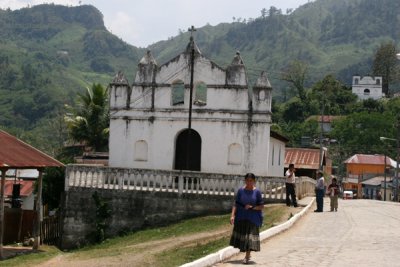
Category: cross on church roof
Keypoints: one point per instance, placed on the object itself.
(192, 29)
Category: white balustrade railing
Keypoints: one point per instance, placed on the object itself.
(176, 181)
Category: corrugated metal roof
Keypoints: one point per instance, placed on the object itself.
(369, 159)
(302, 158)
(25, 190)
(375, 181)
(325, 118)
(14, 153)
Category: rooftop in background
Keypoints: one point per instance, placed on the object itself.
(278, 136)
(374, 181)
(303, 158)
(15, 153)
(370, 159)
(325, 118)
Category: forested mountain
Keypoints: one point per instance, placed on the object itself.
(333, 36)
(48, 53)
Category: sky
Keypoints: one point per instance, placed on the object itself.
(144, 22)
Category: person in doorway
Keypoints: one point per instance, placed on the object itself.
(333, 191)
(320, 191)
(247, 218)
(291, 186)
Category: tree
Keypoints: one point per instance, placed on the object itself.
(336, 97)
(385, 65)
(296, 74)
(360, 132)
(89, 122)
(263, 12)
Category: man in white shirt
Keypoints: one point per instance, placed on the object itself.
(290, 186)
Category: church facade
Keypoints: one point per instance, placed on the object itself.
(226, 129)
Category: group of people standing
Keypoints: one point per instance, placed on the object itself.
(247, 218)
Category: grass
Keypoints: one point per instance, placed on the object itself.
(45, 253)
(179, 256)
(124, 245)
(119, 245)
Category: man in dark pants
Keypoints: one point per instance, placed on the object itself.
(290, 186)
(320, 192)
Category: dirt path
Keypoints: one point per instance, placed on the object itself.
(144, 254)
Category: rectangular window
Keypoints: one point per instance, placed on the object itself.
(178, 93)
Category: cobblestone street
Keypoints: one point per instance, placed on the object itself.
(361, 233)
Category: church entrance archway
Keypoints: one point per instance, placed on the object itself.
(188, 145)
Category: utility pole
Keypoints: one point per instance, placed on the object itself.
(396, 173)
(192, 30)
(384, 191)
(321, 135)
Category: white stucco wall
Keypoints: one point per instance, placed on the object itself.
(276, 157)
(217, 135)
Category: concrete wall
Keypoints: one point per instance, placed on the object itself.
(132, 210)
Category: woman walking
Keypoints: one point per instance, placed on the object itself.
(247, 218)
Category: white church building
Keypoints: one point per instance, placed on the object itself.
(367, 87)
(230, 122)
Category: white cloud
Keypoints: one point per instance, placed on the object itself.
(142, 22)
(12, 4)
(17, 4)
(125, 26)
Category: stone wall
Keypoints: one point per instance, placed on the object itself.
(132, 210)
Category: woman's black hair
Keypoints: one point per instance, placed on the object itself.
(250, 175)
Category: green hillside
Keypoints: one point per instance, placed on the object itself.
(333, 36)
(49, 53)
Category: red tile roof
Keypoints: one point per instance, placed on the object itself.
(302, 158)
(26, 187)
(369, 159)
(14, 153)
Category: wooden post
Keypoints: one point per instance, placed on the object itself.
(38, 211)
(3, 182)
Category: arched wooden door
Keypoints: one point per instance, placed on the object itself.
(188, 151)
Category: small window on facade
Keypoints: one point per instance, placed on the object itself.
(141, 150)
(378, 81)
(273, 154)
(366, 92)
(356, 81)
(279, 158)
(200, 97)
(235, 154)
(177, 93)
(261, 95)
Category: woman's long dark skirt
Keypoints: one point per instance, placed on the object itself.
(245, 236)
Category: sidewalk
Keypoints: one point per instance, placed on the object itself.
(228, 252)
(361, 233)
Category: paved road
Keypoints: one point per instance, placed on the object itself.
(361, 233)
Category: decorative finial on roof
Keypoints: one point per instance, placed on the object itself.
(119, 78)
(147, 59)
(237, 59)
(263, 81)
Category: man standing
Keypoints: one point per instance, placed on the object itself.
(290, 186)
(320, 191)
